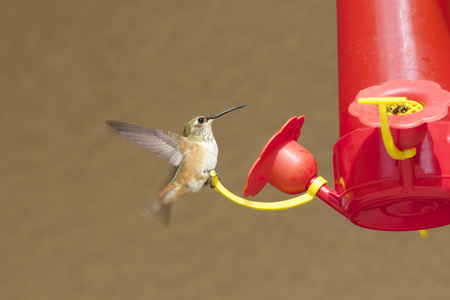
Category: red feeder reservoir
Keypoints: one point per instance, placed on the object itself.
(392, 159)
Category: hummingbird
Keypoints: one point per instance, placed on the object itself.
(194, 154)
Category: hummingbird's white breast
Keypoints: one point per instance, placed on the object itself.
(210, 156)
(202, 158)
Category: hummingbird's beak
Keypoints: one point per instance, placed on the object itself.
(227, 111)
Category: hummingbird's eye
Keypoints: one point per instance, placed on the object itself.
(201, 120)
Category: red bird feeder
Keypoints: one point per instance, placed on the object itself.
(392, 160)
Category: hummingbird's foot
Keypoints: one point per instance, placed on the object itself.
(210, 178)
(209, 181)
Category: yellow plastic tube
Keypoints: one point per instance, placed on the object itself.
(423, 233)
(386, 134)
(279, 205)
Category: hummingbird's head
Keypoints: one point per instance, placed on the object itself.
(199, 127)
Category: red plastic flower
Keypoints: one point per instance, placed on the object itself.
(434, 99)
(283, 162)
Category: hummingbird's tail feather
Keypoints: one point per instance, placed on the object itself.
(160, 213)
(161, 206)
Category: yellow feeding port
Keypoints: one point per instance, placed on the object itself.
(409, 107)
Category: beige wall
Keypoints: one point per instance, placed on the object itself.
(72, 190)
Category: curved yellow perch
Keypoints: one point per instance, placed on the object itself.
(382, 102)
(279, 205)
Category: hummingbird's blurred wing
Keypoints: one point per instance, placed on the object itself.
(165, 144)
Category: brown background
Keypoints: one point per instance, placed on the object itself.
(72, 190)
